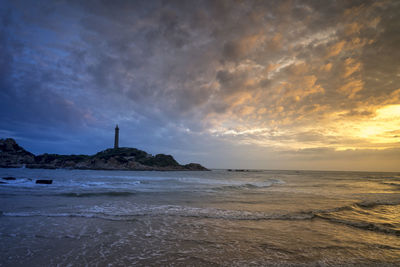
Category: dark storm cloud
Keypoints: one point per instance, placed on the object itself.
(31, 106)
(254, 72)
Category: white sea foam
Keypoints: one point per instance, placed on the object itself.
(357, 215)
(117, 212)
(64, 182)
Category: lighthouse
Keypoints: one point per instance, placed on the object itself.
(116, 138)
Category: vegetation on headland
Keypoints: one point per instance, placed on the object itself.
(14, 156)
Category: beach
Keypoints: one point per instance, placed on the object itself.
(215, 218)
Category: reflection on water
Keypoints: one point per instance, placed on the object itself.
(199, 218)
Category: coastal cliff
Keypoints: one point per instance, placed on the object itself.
(14, 156)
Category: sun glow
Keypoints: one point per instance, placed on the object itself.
(389, 112)
(381, 131)
(384, 126)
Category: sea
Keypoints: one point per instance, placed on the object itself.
(210, 218)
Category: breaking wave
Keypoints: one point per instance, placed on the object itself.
(123, 213)
(377, 216)
(254, 185)
(361, 215)
(98, 194)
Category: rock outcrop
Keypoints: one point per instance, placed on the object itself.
(124, 158)
(12, 155)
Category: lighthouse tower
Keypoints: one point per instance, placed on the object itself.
(116, 138)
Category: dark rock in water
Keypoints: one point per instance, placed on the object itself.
(44, 181)
(9, 178)
(123, 158)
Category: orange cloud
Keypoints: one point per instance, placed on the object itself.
(250, 42)
(335, 49)
(326, 67)
(373, 23)
(351, 66)
(298, 69)
(275, 43)
(302, 87)
(352, 87)
(262, 111)
(357, 43)
(353, 28)
(247, 110)
(271, 67)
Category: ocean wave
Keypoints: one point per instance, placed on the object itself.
(97, 194)
(372, 204)
(363, 215)
(387, 228)
(18, 181)
(249, 185)
(395, 184)
(106, 184)
(377, 216)
(114, 213)
(125, 184)
(31, 183)
(239, 187)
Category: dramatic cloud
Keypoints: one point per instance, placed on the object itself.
(260, 84)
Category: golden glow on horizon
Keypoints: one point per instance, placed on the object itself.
(381, 128)
(381, 131)
(389, 112)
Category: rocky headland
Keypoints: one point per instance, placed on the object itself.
(14, 156)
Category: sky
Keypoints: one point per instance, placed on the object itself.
(310, 85)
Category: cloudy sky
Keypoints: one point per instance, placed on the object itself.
(228, 84)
